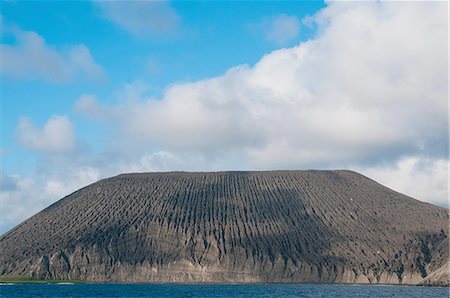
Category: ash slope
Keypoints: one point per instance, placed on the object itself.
(278, 226)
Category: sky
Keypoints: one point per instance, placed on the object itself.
(90, 90)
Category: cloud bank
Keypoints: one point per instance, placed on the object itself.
(368, 93)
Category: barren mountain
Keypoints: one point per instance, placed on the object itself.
(278, 226)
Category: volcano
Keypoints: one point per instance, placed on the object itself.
(240, 227)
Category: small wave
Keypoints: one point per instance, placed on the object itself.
(7, 284)
(64, 283)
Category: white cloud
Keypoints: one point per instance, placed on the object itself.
(341, 98)
(56, 136)
(31, 195)
(141, 18)
(56, 188)
(422, 178)
(81, 60)
(278, 29)
(7, 183)
(32, 58)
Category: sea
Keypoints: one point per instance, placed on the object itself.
(216, 290)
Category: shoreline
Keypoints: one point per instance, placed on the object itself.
(77, 281)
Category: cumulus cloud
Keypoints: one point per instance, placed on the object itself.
(31, 58)
(141, 18)
(278, 29)
(416, 176)
(347, 96)
(56, 136)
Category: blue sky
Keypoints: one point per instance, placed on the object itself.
(94, 89)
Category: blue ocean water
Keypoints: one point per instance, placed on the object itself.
(216, 290)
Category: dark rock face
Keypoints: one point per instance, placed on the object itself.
(278, 226)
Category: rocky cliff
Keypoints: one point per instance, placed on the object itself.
(278, 226)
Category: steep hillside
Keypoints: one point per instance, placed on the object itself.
(278, 226)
